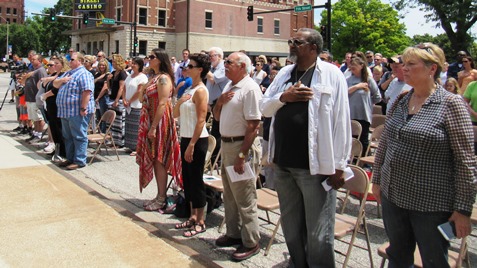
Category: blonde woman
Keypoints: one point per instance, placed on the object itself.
(60, 66)
(101, 90)
(117, 85)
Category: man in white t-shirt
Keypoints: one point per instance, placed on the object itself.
(397, 85)
(238, 111)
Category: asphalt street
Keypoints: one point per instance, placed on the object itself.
(115, 183)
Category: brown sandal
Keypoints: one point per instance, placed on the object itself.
(187, 224)
(156, 205)
(194, 230)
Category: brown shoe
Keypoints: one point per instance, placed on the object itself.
(225, 241)
(64, 164)
(73, 166)
(243, 253)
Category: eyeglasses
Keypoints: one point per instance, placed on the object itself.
(465, 61)
(324, 59)
(258, 64)
(72, 60)
(49, 65)
(190, 66)
(99, 56)
(296, 42)
(461, 55)
(229, 62)
(369, 57)
(426, 48)
(71, 51)
(151, 57)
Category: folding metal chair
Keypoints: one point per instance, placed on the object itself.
(100, 138)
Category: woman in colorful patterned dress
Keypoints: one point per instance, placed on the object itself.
(158, 149)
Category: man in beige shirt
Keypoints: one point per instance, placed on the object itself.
(238, 111)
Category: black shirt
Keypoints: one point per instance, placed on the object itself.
(291, 128)
(117, 77)
(98, 84)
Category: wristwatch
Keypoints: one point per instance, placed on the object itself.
(241, 155)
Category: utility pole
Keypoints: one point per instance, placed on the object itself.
(135, 28)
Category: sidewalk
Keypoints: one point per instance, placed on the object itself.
(48, 220)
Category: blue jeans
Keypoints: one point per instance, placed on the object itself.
(308, 217)
(75, 135)
(406, 227)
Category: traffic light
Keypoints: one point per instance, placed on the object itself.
(85, 18)
(323, 31)
(52, 14)
(250, 13)
(136, 43)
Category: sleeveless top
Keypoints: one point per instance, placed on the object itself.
(188, 115)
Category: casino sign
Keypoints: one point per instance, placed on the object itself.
(90, 5)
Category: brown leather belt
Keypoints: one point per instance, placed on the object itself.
(232, 139)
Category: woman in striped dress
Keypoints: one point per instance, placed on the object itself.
(158, 149)
(117, 84)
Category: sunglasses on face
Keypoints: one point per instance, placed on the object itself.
(71, 60)
(296, 42)
(465, 61)
(49, 65)
(229, 62)
(151, 57)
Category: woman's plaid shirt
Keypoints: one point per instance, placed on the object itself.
(427, 163)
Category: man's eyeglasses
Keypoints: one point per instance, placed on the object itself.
(369, 56)
(71, 51)
(296, 42)
(229, 62)
(71, 60)
(151, 57)
(99, 56)
(49, 65)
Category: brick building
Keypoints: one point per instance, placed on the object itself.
(12, 11)
(195, 24)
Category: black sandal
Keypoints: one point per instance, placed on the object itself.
(186, 225)
(194, 230)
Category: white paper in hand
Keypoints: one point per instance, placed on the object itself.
(247, 174)
(347, 174)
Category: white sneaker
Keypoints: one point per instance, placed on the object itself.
(57, 159)
(49, 149)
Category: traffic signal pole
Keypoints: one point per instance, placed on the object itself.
(250, 14)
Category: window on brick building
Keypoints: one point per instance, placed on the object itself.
(161, 18)
(259, 25)
(161, 44)
(208, 19)
(116, 49)
(14, 20)
(143, 47)
(276, 26)
(118, 14)
(8, 10)
(14, 11)
(143, 16)
(0, 10)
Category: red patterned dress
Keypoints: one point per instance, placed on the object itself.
(165, 147)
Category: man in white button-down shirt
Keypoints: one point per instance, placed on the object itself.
(310, 140)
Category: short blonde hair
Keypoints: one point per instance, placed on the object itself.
(64, 62)
(429, 54)
(119, 60)
(89, 58)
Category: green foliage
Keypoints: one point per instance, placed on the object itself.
(366, 25)
(455, 17)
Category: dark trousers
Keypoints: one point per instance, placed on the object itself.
(364, 138)
(54, 123)
(406, 227)
(192, 173)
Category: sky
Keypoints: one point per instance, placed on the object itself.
(414, 20)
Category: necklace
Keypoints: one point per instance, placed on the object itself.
(306, 71)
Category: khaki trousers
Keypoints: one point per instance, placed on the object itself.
(240, 201)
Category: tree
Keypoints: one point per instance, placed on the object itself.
(446, 14)
(53, 32)
(366, 25)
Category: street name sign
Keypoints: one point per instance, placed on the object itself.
(303, 8)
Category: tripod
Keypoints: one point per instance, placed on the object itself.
(6, 93)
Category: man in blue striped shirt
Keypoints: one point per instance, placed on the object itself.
(75, 106)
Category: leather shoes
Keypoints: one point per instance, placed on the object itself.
(243, 253)
(64, 164)
(225, 241)
(73, 166)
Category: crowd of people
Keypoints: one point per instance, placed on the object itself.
(424, 168)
